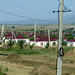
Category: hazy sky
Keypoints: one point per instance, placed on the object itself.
(39, 9)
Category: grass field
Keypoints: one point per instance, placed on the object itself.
(23, 64)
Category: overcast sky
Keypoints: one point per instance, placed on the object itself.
(39, 9)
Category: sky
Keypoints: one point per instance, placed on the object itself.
(31, 9)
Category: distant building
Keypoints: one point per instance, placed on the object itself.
(42, 41)
(71, 42)
(18, 38)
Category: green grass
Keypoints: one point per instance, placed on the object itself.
(67, 49)
(25, 51)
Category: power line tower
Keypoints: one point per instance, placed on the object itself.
(60, 49)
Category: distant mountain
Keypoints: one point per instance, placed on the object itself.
(28, 22)
(67, 20)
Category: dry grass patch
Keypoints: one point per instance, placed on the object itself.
(42, 70)
(14, 56)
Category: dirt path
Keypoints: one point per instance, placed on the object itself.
(15, 69)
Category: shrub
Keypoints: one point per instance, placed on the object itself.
(10, 43)
(54, 36)
(3, 71)
(47, 45)
(54, 43)
(32, 38)
(1, 49)
(64, 43)
(21, 44)
(31, 46)
(24, 35)
(67, 49)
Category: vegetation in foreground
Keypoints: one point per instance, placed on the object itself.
(47, 56)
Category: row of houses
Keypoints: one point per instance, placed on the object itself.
(40, 41)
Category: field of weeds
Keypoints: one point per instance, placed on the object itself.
(24, 64)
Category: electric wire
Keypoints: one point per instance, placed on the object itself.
(24, 16)
(24, 7)
(15, 14)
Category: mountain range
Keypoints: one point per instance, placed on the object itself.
(67, 20)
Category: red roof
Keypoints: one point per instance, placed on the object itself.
(9, 35)
(45, 39)
(73, 40)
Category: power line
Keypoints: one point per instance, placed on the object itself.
(24, 16)
(46, 20)
(69, 8)
(15, 14)
(24, 7)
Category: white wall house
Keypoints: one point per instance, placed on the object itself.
(42, 43)
(16, 40)
(71, 44)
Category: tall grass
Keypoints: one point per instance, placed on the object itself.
(67, 49)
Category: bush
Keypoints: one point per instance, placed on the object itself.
(3, 71)
(54, 43)
(10, 43)
(54, 36)
(31, 46)
(24, 35)
(64, 43)
(47, 45)
(21, 44)
(67, 49)
(32, 38)
(1, 49)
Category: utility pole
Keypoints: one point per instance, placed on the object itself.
(60, 23)
(2, 34)
(12, 31)
(35, 32)
(59, 58)
(49, 37)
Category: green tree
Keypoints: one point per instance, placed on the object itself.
(47, 45)
(31, 38)
(31, 46)
(54, 43)
(54, 36)
(10, 43)
(64, 43)
(24, 35)
(21, 44)
(70, 38)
